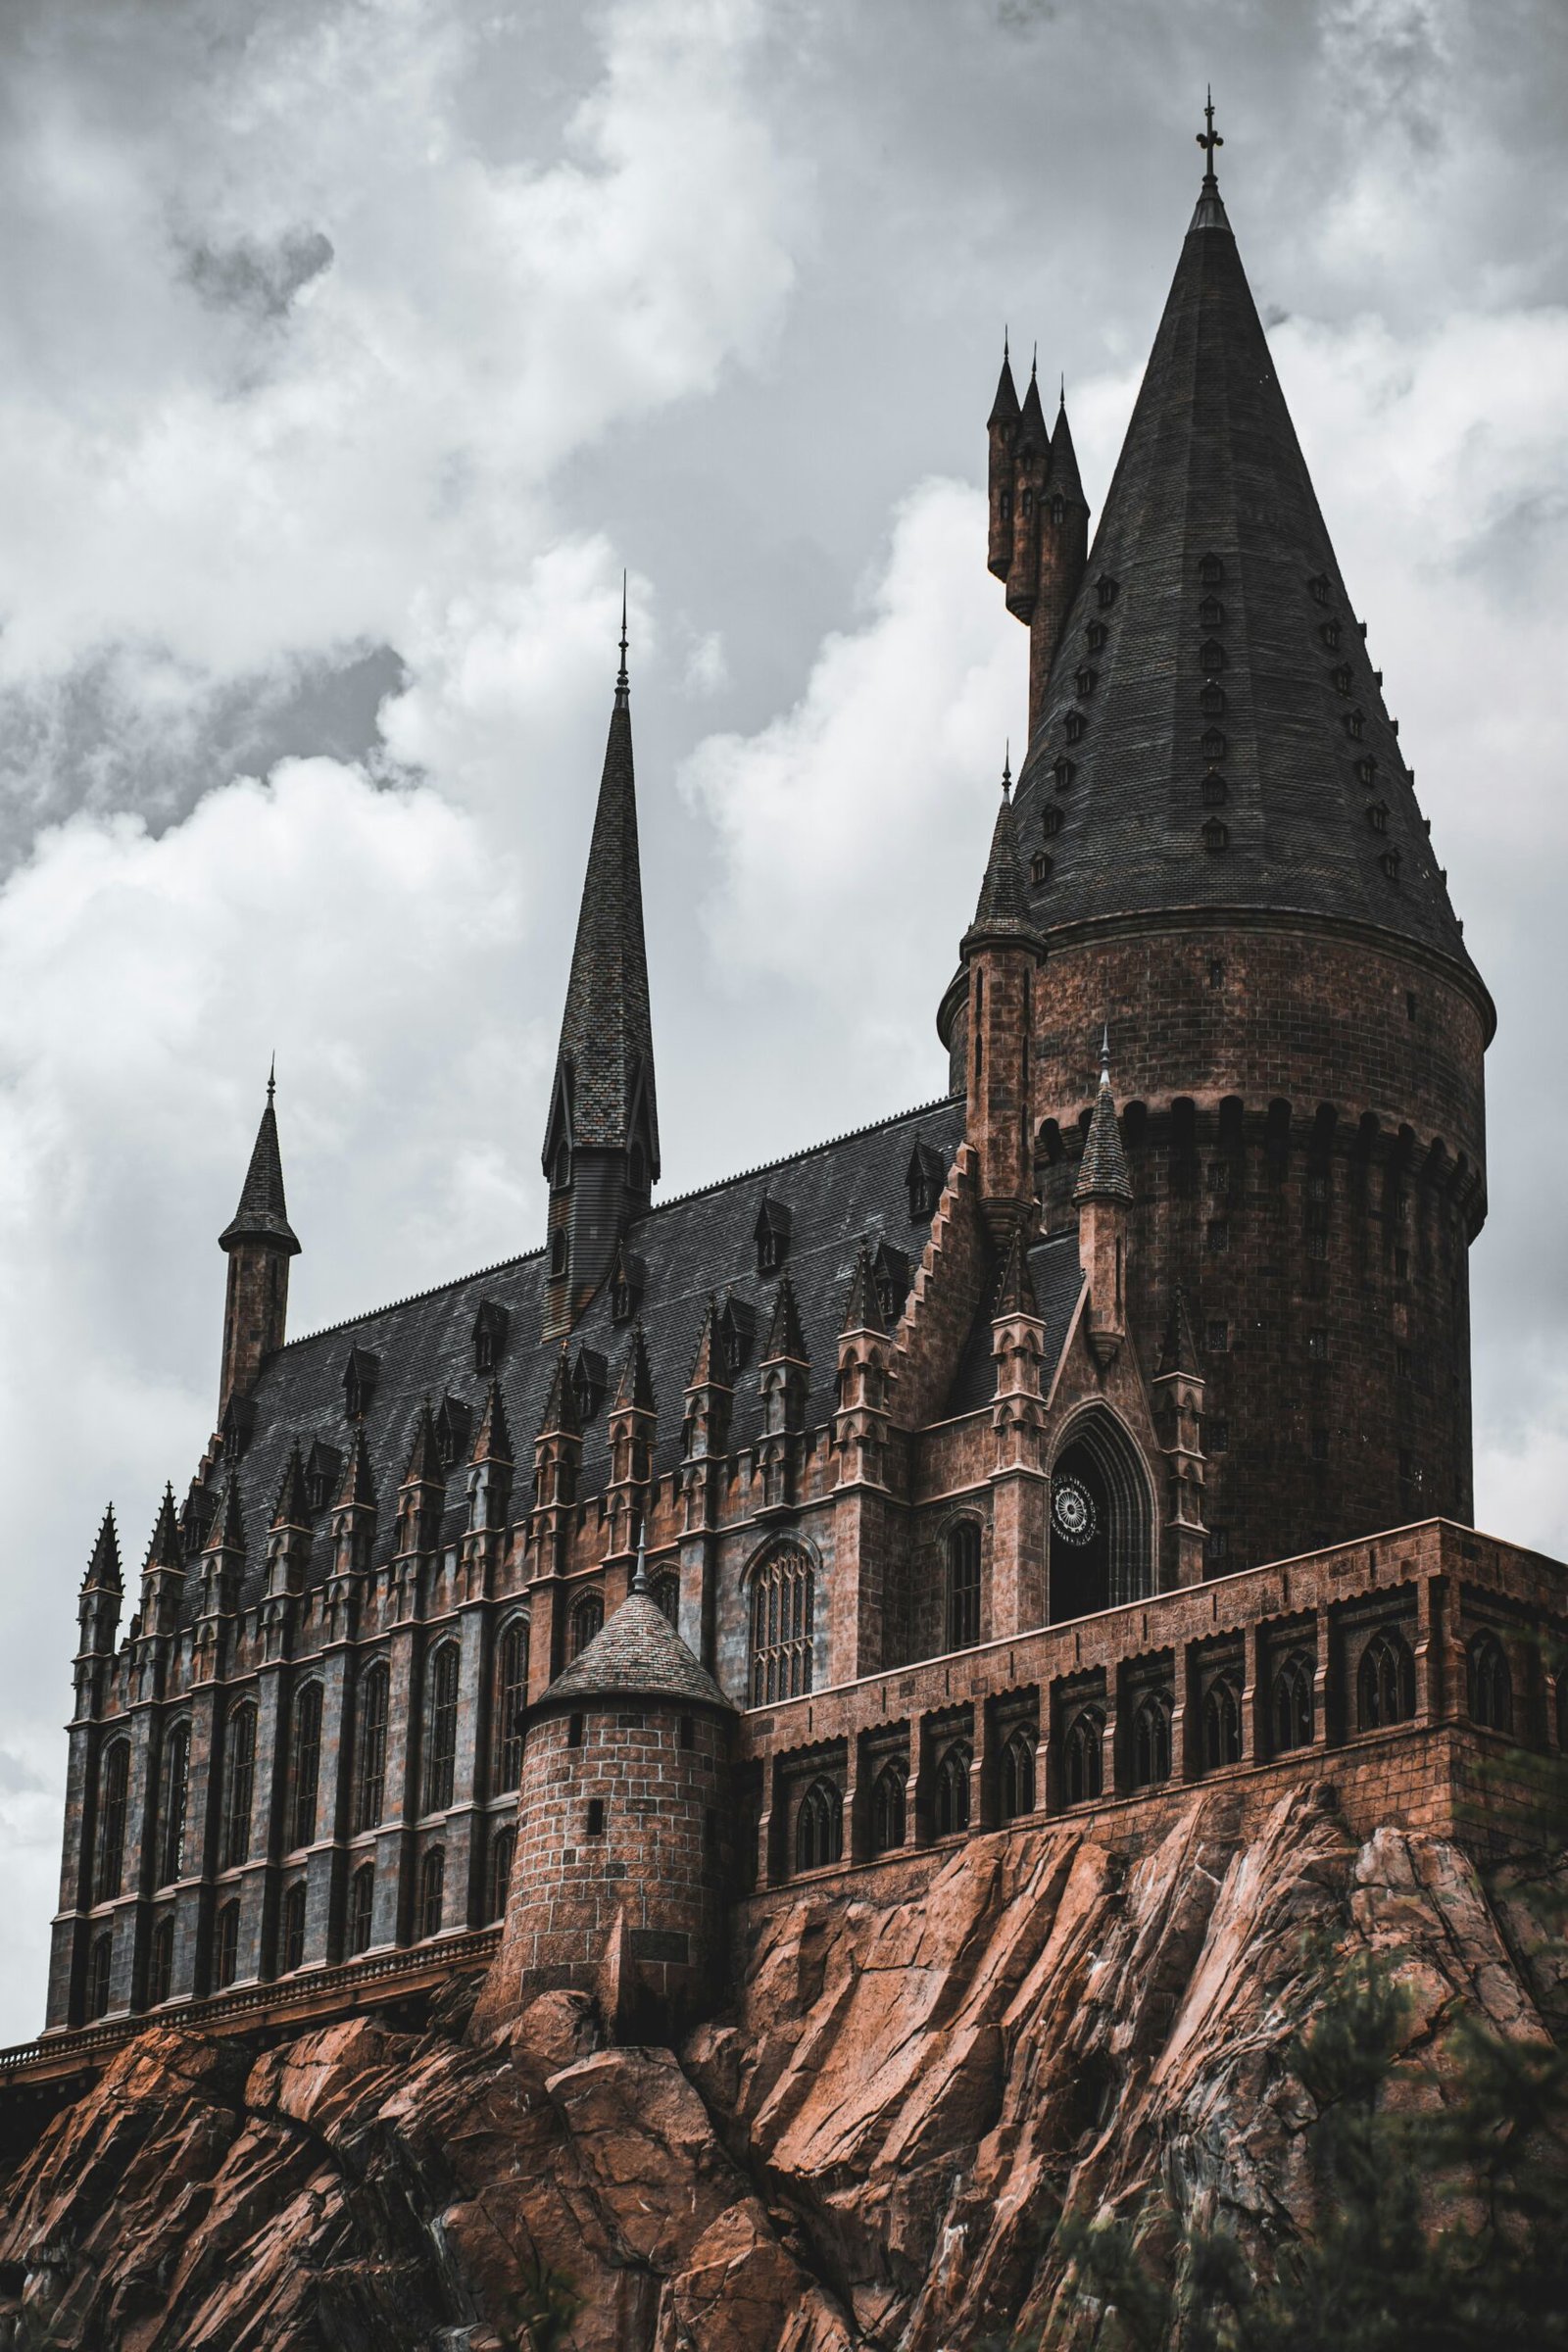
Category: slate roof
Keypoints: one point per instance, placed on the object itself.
(1102, 1175)
(637, 1651)
(840, 1194)
(263, 1215)
(1056, 1278)
(1212, 467)
(606, 1030)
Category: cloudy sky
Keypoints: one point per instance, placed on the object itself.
(349, 348)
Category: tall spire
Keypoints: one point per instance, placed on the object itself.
(261, 1214)
(622, 680)
(1004, 902)
(257, 1241)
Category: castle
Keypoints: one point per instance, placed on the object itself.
(1096, 1429)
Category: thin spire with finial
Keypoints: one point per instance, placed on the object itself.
(622, 681)
(1209, 140)
(1006, 771)
(1061, 390)
(1034, 363)
(1105, 1055)
(639, 1579)
(272, 1076)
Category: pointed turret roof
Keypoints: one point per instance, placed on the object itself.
(1015, 1290)
(604, 1062)
(167, 1548)
(1103, 1174)
(293, 1500)
(425, 1467)
(1178, 1350)
(1005, 408)
(561, 1401)
(1065, 481)
(1032, 424)
(493, 1443)
(709, 1367)
(357, 1490)
(1230, 650)
(637, 1651)
(636, 1383)
(786, 1340)
(261, 1214)
(103, 1569)
(862, 1309)
(228, 1523)
(1003, 901)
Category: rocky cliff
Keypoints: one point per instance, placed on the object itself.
(863, 2152)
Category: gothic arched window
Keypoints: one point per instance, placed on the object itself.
(440, 1728)
(100, 1961)
(226, 1946)
(160, 1965)
(819, 1826)
(369, 1748)
(1291, 1713)
(173, 1799)
(239, 1784)
(782, 1608)
(1386, 1684)
(1491, 1684)
(361, 1909)
(292, 1941)
(1150, 1741)
(511, 1697)
(887, 1809)
(114, 1780)
(585, 1621)
(1083, 1753)
(306, 1764)
(1018, 1777)
(432, 1890)
(963, 1584)
(1222, 1724)
(503, 1847)
(666, 1592)
(953, 1790)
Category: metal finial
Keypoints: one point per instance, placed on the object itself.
(622, 682)
(1209, 140)
(272, 1077)
(1062, 396)
(1006, 771)
(639, 1580)
(1105, 1055)
(1034, 363)
(1006, 355)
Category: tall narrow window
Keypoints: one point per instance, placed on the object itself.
(173, 1799)
(1083, 1756)
(1222, 1724)
(1491, 1685)
(782, 1598)
(585, 1621)
(441, 1730)
(100, 1959)
(963, 1584)
(953, 1791)
(361, 1909)
(160, 1969)
(819, 1826)
(306, 1764)
(1386, 1684)
(113, 1783)
(293, 1938)
(1018, 1777)
(503, 1847)
(887, 1809)
(370, 1748)
(225, 1942)
(432, 1892)
(239, 1784)
(511, 1695)
(1290, 1712)
(1150, 1741)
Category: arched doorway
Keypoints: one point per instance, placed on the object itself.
(1101, 1521)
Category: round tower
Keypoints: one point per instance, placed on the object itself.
(624, 1841)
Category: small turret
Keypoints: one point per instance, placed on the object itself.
(258, 1242)
(1001, 428)
(102, 1591)
(1001, 952)
(783, 1377)
(1104, 1194)
(1038, 540)
(1178, 1390)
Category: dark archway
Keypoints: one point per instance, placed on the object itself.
(1101, 1521)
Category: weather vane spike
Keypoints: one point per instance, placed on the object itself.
(639, 1582)
(1061, 390)
(1105, 1055)
(622, 683)
(1208, 138)
(1007, 769)
(272, 1075)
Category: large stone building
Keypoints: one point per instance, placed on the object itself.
(1029, 1450)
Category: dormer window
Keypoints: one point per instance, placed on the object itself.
(1366, 769)
(1086, 680)
(1210, 614)
(453, 1425)
(1377, 816)
(590, 1376)
(890, 1276)
(323, 1469)
(239, 1419)
(626, 1284)
(1216, 834)
(737, 1329)
(1095, 636)
(1354, 723)
(772, 1233)
(1213, 790)
(559, 1252)
(1213, 699)
(1073, 727)
(1051, 821)
(561, 1169)
(1064, 771)
(1059, 509)
(923, 1180)
(1212, 656)
(1212, 746)
(1039, 869)
(1390, 862)
(360, 1376)
(1106, 591)
(1342, 678)
(1319, 587)
(1210, 570)
(1330, 634)
(489, 1338)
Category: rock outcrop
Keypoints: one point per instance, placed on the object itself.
(864, 2151)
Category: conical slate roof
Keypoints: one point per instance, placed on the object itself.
(1213, 638)
(1003, 901)
(261, 1216)
(637, 1651)
(607, 1035)
(1104, 1175)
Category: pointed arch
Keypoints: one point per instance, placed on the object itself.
(1102, 1516)
(781, 1614)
